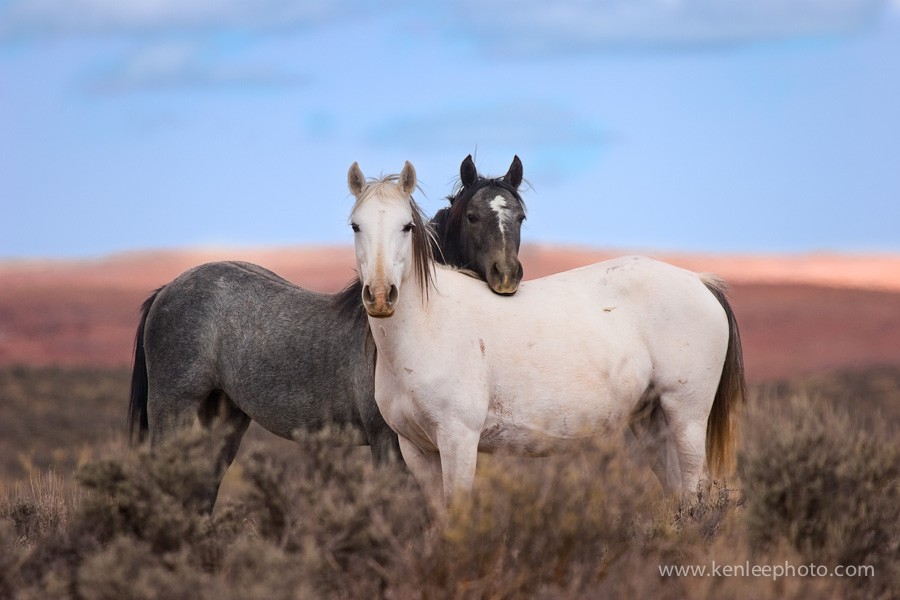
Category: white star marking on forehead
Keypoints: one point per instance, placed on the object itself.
(498, 204)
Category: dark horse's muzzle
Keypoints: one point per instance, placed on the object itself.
(503, 277)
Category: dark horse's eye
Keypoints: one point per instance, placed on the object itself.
(472, 218)
(408, 227)
(355, 227)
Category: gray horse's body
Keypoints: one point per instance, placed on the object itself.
(233, 342)
(252, 345)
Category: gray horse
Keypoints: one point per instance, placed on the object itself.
(231, 342)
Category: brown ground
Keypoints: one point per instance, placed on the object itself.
(798, 314)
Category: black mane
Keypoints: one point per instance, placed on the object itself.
(348, 301)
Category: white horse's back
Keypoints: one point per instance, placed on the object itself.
(583, 349)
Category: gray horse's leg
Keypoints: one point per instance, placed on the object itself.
(169, 413)
(384, 445)
(218, 412)
(381, 438)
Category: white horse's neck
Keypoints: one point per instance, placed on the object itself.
(412, 320)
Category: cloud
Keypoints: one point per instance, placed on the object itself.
(184, 66)
(499, 26)
(532, 27)
(25, 18)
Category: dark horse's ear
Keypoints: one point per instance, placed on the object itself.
(467, 172)
(356, 180)
(514, 176)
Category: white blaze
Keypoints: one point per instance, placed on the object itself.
(498, 204)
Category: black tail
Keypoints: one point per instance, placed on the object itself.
(138, 426)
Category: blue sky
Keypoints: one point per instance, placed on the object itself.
(692, 125)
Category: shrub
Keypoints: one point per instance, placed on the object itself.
(43, 508)
(555, 526)
(137, 525)
(129, 569)
(256, 569)
(319, 520)
(156, 497)
(830, 490)
(345, 521)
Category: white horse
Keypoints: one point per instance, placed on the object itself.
(629, 341)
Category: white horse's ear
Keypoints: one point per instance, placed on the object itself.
(408, 179)
(356, 180)
(514, 176)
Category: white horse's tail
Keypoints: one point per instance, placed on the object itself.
(721, 427)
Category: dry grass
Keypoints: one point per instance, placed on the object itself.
(58, 418)
(817, 482)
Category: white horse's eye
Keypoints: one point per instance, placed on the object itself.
(354, 227)
(408, 227)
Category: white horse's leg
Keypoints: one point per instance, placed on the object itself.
(425, 467)
(654, 439)
(689, 436)
(459, 455)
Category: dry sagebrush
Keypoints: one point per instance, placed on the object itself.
(321, 521)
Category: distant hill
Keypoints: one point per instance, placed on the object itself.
(798, 315)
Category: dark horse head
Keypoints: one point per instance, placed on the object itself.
(481, 228)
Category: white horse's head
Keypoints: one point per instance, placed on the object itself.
(392, 239)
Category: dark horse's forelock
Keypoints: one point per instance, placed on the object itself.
(422, 233)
